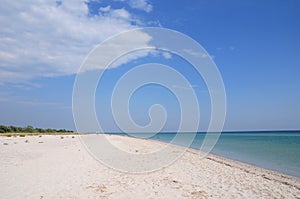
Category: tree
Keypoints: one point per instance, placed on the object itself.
(3, 129)
(40, 130)
(14, 129)
(29, 129)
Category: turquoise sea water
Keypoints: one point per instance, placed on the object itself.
(278, 151)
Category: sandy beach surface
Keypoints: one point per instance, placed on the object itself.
(60, 167)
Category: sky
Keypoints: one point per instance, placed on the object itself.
(255, 45)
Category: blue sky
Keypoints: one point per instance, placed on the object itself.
(255, 44)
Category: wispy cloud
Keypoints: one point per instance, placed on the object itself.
(41, 103)
(120, 45)
(11, 98)
(231, 48)
(192, 87)
(196, 54)
(26, 85)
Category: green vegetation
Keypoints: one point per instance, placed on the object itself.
(29, 130)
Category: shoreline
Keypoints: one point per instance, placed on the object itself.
(253, 169)
(51, 167)
(227, 161)
(222, 158)
(287, 166)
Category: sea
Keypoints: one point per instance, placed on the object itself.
(274, 150)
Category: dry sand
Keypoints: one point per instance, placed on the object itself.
(52, 167)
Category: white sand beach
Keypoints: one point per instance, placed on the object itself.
(60, 167)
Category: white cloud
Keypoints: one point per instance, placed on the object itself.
(45, 38)
(167, 55)
(120, 13)
(104, 9)
(121, 45)
(141, 5)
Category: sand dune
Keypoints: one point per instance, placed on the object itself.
(61, 167)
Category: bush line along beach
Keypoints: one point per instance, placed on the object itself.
(30, 130)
